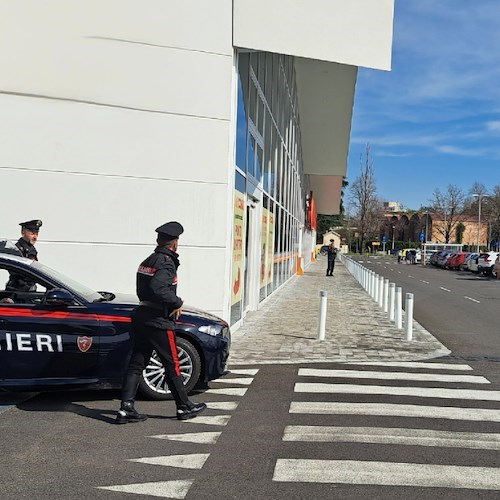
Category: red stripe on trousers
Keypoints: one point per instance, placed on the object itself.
(173, 349)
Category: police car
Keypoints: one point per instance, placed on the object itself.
(61, 334)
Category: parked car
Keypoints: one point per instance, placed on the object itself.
(486, 262)
(62, 334)
(443, 258)
(456, 260)
(472, 263)
(496, 268)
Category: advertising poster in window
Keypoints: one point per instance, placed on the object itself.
(263, 248)
(237, 272)
(270, 247)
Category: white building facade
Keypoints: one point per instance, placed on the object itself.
(118, 116)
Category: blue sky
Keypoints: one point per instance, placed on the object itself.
(434, 119)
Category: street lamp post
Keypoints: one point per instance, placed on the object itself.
(479, 197)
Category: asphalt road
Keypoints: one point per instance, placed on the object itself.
(430, 430)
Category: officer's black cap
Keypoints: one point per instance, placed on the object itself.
(170, 230)
(32, 225)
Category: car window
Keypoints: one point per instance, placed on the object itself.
(20, 287)
(69, 283)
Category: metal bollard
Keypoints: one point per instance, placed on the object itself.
(380, 291)
(386, 295)
(398, 309)
(409, 317)
(375, 288)
(392, 298)
(322, 314)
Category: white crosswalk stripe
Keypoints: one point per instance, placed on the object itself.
(237, 381)
(191, 461)
(191, 437)
(382, 435)
(222, 405)
(421, 377)
(413, 364)
(417, 392)
(162, 489)
(229, 391)
(244, 371)
(210, 420)
(395, 410)
(387, 473)
(384, 473)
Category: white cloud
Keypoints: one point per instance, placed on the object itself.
(493, 126)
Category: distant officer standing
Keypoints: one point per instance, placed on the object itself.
(153, 324)
(332, 255)
(26, 245)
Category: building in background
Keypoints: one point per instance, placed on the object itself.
(232, 117)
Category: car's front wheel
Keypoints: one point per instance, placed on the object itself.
(153, 384)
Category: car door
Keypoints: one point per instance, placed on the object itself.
(39, 341)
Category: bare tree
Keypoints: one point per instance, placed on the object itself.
(450, 206)
(494, 213)
(367, 207)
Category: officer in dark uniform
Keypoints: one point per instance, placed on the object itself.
(332, 255)
(153, 324)
(26, 245)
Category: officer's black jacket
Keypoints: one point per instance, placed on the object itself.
(17, 282)
(332, 253)
(27, 249)
(157, 286)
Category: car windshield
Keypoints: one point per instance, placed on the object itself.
(85, 292)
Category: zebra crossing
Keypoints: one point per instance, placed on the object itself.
(428, 402)
(179, 488)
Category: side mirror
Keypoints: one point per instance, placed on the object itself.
(58, 297)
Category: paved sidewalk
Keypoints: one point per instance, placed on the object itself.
(284, 330)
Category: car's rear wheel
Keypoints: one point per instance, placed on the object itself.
(153, 384)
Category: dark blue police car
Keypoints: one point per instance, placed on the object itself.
(57, 333)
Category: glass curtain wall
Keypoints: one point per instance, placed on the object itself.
(268, 157)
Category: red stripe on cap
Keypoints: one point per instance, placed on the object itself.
(173, 349)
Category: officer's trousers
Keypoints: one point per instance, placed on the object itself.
(147, 338)
(331, 265)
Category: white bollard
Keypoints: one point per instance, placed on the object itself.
(322, 314)
(409, 317)
(392, 300)
(375, 288)
(370, 279)
(386, 295)
(380, 291)
(399, 305)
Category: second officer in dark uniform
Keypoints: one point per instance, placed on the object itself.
(153, 324)
(26, 245)
(332, 255)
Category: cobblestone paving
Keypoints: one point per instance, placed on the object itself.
(284, 329)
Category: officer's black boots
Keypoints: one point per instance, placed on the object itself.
(130, 385)
(192, 411)
(128, 414)
(186, 409)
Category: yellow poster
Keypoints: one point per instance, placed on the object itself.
(237, 272)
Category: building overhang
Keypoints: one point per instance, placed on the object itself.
(329, 39)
